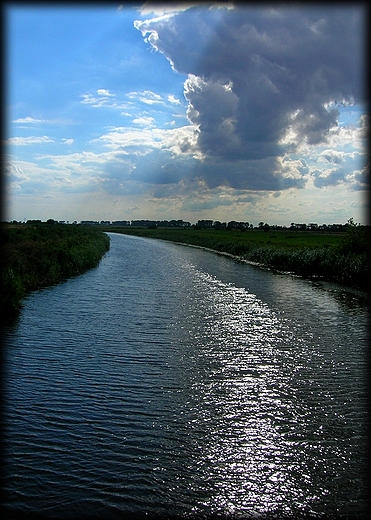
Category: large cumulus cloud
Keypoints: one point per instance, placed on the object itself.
(256, 74)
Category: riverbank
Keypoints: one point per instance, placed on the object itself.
(337, 257)
(38, 255)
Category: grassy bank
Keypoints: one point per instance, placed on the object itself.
(339, 257)
(36, 256)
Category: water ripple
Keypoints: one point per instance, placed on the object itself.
(161, 383)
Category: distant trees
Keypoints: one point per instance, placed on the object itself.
(298, 227)
(265, 227)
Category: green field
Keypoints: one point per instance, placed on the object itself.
(219, 239)
(339, 257)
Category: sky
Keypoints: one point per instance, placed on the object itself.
(221, 111)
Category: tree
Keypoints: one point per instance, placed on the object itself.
(357, 238)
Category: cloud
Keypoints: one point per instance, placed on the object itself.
(26, 177)
(146, 96)
(131, 103)
(145, 121)
(78, 173)
(28, 120)
(15, 173)
(173, 100)
(261, 83)
(103, 98)
(179, 142)
(30, 140)
(362, 177)
(350, 169)
(165, 8)
(104, 92)
(253, 174)
(328, 177)
(333, 156)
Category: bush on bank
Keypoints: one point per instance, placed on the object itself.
(329, 264)
(36, 256)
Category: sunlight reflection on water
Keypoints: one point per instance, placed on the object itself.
(256, 452)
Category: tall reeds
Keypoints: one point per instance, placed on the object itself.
(35, 256)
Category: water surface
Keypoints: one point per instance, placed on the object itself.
(171, 380)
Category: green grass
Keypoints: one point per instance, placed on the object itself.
(36, 256)
(280, 238)
(339, 257)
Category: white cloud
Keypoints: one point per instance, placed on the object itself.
(30, 140)
(144, 121)
(179, 141)
(160, 8)
(104, 98)
(104, 92)
(137, 140)
(28, 120)
(89, 99)
(173, 100)
(78, 162)
(15, 173)
(146, 96)
(292, 168)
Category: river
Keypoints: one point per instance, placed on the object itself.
(171, 380)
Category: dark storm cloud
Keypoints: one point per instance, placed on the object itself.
(260, 174)
(254, 73)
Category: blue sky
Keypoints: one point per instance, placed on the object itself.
(186, 111)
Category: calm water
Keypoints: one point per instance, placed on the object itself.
(171, 380)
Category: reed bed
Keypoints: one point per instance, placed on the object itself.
(36, 256)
